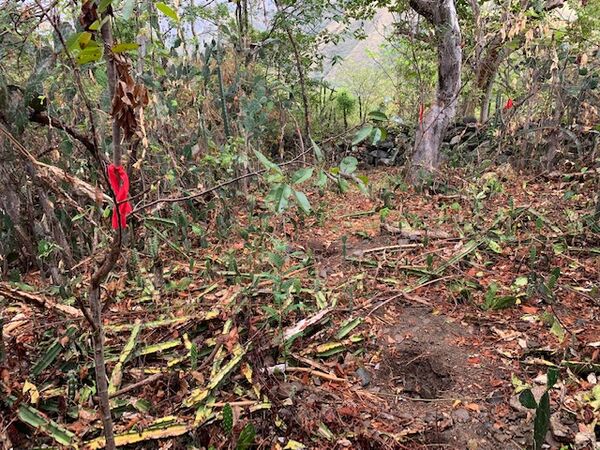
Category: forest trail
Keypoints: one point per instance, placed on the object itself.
(389, 342)
(201, 248)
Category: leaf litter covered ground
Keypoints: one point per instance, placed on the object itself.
(399, 320)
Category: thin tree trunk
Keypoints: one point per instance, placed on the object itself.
(57, 230)
(10, 201)
(2, 346)
(302, 85)
(426, 156)
(223, 101)
(472, 100)
(345, 119)
(109, 262)
(486, 98)
(360, 108)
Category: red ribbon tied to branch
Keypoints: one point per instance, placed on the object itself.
(421, 113)
(509, 104)
(119, 183)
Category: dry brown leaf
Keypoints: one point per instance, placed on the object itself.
(232, 339)
(473, 407)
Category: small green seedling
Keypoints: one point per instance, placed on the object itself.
(542, 409)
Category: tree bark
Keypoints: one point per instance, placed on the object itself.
(300, 69)
(426, 154)
(110, 259)
(2, 346)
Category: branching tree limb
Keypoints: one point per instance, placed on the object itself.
(44, 119)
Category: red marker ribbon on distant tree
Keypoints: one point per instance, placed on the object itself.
(421, 113)
(509, 104)
(119, 183)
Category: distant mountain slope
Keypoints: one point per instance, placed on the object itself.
(355, 51)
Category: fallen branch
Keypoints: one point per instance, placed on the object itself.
(16, 322)
(359, 252)
(38, 300)
(359, 214)
(133, 386)
(52, 174)
(282, 368)
(304, 324)
(317, 373)
(405, 293)
(415, 235)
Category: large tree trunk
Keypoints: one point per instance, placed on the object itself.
(426, 155)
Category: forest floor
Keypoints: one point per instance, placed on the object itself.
(399, 320)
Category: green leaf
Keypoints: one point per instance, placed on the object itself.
(348, 326)
(541, 422)
(95, 26)
(362, 134)
(362, 185)
(72, 43)
(47, 358)
(377, 134)
(325, 432)
(51, 353)
(302, 201)
(527, 399)
(503, 302)
(227, 418)
(519, 385)
(266, 162)
(378, 116)
(167, 10)
(194, 356)
(557, 330)
(84, 39)
(553, 278)
(552, 377)
(128, 9)
(280, 195)
(117, 374)
(301, 175)
(89, 54)
(246, 438)
(36, 419)
(276, 259)
(142, 405)
(199, 395)
(490, 295)
(521, 281)
(343, 185)
(317, 151)
(495, 247)
(321, 179)
(348, 165)
(125, 47)
(384, 134)
(103, 6)
(330, 348)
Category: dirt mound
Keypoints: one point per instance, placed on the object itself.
(425, 366)
(420, 374)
